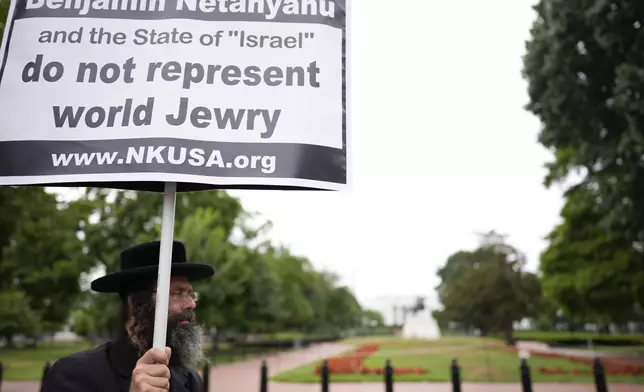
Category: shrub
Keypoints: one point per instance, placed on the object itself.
(578, 339)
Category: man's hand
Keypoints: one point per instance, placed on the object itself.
(151, 373)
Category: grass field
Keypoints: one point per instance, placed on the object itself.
(26, 364)
(481, 360)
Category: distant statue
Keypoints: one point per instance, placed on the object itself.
(421, 324)
(419, 306)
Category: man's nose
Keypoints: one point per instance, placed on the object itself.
(190, 303)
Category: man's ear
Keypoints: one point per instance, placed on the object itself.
(129, 304)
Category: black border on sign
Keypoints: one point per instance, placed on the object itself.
(153, 186)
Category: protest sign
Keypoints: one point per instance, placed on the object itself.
(213, 92)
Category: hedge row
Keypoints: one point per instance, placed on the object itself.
(581, 338)
(287, 343)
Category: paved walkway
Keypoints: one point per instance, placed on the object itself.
(245, 376)
(574, 352)
(20, 386)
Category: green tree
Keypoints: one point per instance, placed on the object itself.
(373, 318)
(547, 317)
(456, 263)
(343, 308)
(585, 73)
(82, 323)
(4, 10)
(318, 293)
(226, 300)
(262, 296)
(16, 316)
(262, 288)
(489, 291)
(588, 273)
(295, 274)
(42, 256)
(258, 288)
(442, 319)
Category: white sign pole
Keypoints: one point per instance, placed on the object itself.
(165, 265)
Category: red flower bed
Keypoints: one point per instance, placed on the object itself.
(352, 363)
(399, 371)
(612, 366)
(554, 371)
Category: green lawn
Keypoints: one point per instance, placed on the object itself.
(481, 360)
(26, 364)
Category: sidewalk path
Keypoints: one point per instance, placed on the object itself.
(20, 386)
(574, 352)
(244, 376)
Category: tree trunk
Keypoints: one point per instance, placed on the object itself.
(215, 339)
(10, 342)
(509, 337)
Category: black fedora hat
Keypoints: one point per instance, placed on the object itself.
(140, 265)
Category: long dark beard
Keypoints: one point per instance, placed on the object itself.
(185, 340)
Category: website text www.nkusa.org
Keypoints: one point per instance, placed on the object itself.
(167, 155)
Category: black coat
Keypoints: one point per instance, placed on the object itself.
(108, 368)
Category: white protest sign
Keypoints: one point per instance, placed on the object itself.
(220, 92)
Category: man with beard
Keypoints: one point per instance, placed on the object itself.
(129, 363)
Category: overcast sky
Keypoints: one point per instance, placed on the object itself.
(442, 148)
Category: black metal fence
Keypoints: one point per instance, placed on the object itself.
(599, 376)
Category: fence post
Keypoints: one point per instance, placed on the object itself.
(600, 376)
(325, 376)
(455, 371)
(263, 382)
(389, 377)
(526, 380)
(206, 376)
